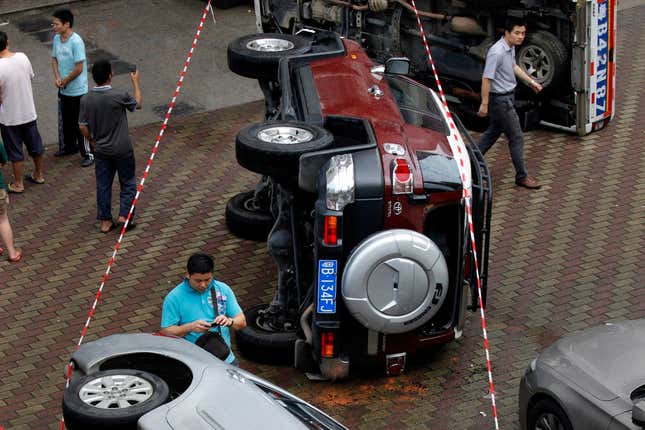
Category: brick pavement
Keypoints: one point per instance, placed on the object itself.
(563, 258)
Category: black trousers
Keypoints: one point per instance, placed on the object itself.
(72, 137)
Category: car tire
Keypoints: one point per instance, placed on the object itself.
(145, 392)
(547, 414)
(259, 344)
(544, 58)
(274, 148)
(257, 56)
(247, 221)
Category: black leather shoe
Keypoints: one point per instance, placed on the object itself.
(529, 183)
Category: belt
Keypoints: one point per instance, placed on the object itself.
(508, 93)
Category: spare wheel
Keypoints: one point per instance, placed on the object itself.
(395, 281)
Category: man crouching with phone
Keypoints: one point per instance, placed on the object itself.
(189, 312)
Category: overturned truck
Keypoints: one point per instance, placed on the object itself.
(569, 48)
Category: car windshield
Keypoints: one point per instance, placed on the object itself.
(416, 104)
(308, 415)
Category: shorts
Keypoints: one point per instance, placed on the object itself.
(4, 201)
(15, 135)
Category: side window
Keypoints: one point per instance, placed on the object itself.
(416, 104)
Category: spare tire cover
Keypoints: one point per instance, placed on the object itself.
(395, 281)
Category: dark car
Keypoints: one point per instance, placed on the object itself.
(361, 204)
(157, 382)
(593, 380)
(569, 48)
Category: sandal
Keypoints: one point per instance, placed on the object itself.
(15, 259)
(112, 227)
(11, 189)
(31, 178)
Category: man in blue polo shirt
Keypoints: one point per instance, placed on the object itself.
(188, 310)
(70, 77)
(498, 98)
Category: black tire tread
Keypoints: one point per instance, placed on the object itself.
(261, 65)
(277, 160)
(246, 224)
(264, 347)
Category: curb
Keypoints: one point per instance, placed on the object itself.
(11, 6)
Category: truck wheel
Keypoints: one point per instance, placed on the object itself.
(260, 342)
(112, 399)
(543, 57)
(247, 220)
(546, 415)
(257, 56)
(274, 148)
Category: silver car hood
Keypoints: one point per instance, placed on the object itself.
(606, 361)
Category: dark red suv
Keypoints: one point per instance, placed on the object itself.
(361, 203)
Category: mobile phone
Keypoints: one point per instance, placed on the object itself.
(132, 68)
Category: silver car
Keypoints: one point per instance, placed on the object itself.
(149, 381)
(591, 380)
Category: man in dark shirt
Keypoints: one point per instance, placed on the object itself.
(104, 123)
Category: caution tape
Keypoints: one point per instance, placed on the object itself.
(124, 229)
(461, 157)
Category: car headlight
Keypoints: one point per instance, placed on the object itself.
(340, 182)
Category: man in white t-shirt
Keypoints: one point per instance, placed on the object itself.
(18, 116)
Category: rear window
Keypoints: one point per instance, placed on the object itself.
(416, 104)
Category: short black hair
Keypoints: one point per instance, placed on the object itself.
(514, 21)
(3, 40)
(65, 15)
(200, 263)
(101, 71)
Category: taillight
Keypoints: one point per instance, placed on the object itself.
(327, 345)
(401, 177)
(330, 230)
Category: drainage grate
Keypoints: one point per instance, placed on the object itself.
(180, 108)
(35, 24)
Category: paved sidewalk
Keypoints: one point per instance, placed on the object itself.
(563, 258)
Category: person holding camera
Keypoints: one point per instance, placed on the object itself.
(104, 123)
(189, 310)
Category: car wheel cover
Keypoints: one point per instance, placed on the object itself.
(536, 63)
(285, 135)
(548, 421)
(395, 281)
(116, 391)
(270, 45)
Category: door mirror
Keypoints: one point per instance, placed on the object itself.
(638, 413)
(397, 66)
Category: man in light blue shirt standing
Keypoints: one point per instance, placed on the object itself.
(189, 312)
(70, 77)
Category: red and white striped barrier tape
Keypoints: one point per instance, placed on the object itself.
(461, 157)
(139, 190)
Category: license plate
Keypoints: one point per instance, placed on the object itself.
(327, 286)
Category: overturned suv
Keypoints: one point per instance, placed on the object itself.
(361, 206)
